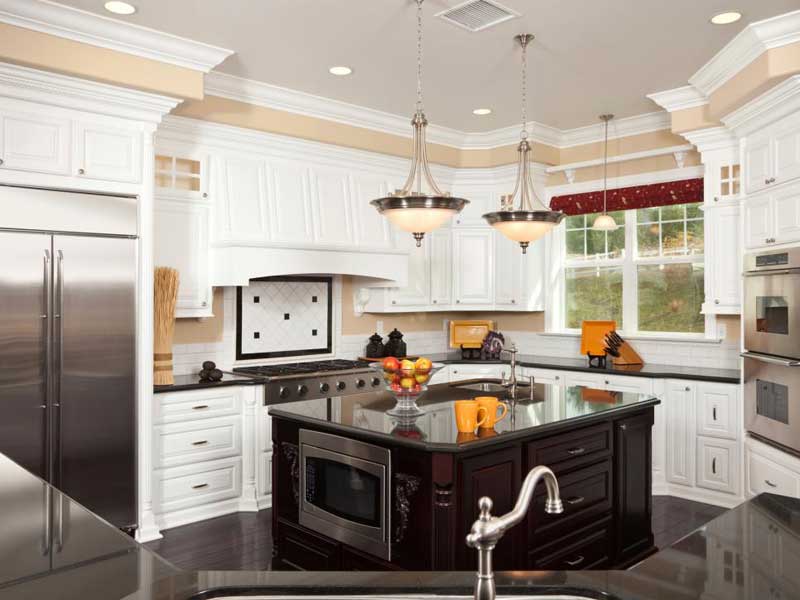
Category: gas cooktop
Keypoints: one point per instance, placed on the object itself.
(304, 368)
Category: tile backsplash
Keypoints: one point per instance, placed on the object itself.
(284, 317)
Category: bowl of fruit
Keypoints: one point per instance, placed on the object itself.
(407, 380)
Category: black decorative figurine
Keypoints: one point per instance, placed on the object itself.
(210, 372)
(395, 346)
(375, 346)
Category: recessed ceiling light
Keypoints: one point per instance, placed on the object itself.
(482, 111)
(726, 18)
(341, 70)
(120, 8)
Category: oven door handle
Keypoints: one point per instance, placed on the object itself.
(773, 360)
(766, 272)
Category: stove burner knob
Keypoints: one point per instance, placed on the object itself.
(284, 392)
(340, 385)
(324, 387)
(302, 390)
(376, 381)
(360, 383)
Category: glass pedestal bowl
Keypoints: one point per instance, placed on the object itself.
(406, 385)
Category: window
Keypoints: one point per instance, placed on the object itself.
(647, 275)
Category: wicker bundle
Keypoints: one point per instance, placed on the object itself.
(166, 296)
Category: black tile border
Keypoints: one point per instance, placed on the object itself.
(284, 353)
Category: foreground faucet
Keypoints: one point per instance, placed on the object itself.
(488, 530)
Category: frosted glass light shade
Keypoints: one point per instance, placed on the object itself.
(419, 220)
(524, 231)
(604, 223)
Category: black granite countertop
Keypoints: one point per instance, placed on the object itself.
(582, 364)
(435, 429)
(193, 382)
(748, 553)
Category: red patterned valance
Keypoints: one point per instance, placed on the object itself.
(640, 196)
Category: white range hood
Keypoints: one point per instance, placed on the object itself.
(236, 264)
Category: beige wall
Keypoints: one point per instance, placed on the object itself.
(51, 53)
(202, 331)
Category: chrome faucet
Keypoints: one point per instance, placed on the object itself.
(488, 530)
(511, 382)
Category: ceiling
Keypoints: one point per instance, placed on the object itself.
(589, 56)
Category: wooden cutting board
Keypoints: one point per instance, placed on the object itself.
(469, 333)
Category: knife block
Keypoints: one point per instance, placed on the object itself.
(627, 356)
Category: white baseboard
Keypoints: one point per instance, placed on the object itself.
(148, 534)
(700, 495)
(264, 502)
(197, 513)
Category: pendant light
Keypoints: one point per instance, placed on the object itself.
(416, 209)
(605, 222)
(532, 219)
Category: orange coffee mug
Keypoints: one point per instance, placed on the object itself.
(468, 415)
(491, 404)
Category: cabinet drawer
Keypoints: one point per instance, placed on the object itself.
(192, 485)
(583, 446)
(718, 410)
(468, 371)
(181, 443)
(764, 475)
(547, 376)
(299, 549)
(586, 493)
(588, 548)
(620, 383)
(717, 464)
(191, 405)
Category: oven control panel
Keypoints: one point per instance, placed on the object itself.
(342, 384)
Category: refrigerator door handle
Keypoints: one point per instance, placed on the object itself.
(47, 502)
(47, 276)
(59, 542)
(58, 329)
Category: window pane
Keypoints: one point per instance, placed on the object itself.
(575, 222)
(695, 237)
(575, 243)
(647, 215)
(672, 213)
(648, 239)
(693, 210)
(673, 240)
(670, 297)
(593, 293)
(616, 239)
(595, 244)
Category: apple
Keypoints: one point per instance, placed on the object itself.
(390, 363)
(396, 387)
(417, 387)
(407, 383)
(423, 365)
(407, 366)
(421, 377)
(391, 377)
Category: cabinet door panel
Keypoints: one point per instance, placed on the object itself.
(418, 290)
(372, 228)
(180, 241)
(108, 153)
(441, 267)
(34, 143)
(680, 401)
(332, 214)
(481, 201)
(718, 410)
(473, 260)
(717, 462)
(289, 203)
(758, 163)
(723, 276)
(508, 274)
(758, 221)
(787, 214)
(786, 150)
(243, 199)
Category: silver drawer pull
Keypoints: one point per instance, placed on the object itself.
(199, 486)
(200, 407)
(714, 413)
(576, 451)
(770, 484)
(575, 500)
(200, 443)
(576, 562)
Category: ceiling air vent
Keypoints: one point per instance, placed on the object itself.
(477, 15)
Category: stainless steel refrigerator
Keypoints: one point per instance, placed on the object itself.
(68, 264)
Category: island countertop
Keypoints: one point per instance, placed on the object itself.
(553, 407)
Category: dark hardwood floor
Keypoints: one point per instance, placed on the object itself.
(243, 541)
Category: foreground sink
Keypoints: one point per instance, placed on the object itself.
(406, 597)
(486, 385)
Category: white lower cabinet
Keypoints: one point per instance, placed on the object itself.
(546, 376)
(462, 372)
(767, 469)
(717, 464)
(211, 454)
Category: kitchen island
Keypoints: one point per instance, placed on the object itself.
(598, 443)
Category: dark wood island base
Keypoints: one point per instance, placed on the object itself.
(602, 459)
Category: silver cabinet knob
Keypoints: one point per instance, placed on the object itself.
(458, 301)
(1, 162)
(81, 172)
(205, 195)
(394, 301)
(204, 303)
(513, 301)
(716, 301)
(716, 198)
(435, 301)
(688, 389)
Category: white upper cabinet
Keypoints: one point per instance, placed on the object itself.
(290, 203)
(723, 267)
(772, 155)
(473, 266)
(242, 199)
(787, 214)
(331, 207)
(481, 201)
(418, 291)
(372, 228)
(107, 152)
(773, 217)
(34, 142)
(758, 220)
(508, 273)
(441, 260)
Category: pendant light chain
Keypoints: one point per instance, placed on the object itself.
(605, 170)
(524, 133)
(419, 55)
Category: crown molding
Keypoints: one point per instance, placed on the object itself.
(23, 83)
(280, 98)
(89, 28)
(622, 158)
(679, 98)
(776, 103)
(743, 49)
(712, 138)
(626, 181)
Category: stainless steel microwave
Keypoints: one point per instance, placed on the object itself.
(772, 303)
(345, 491)
(772, 398)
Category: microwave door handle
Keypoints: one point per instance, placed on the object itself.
(773, 360)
